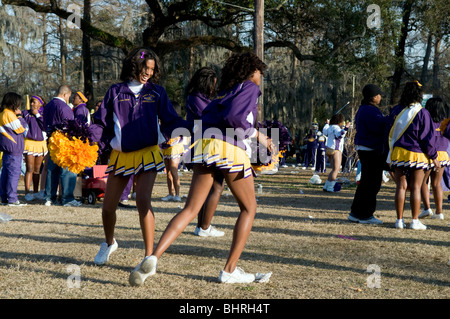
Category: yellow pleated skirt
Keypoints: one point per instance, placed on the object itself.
(401, 157)
(128, 163)
(174, 152)
(222, 155)
(35, 148)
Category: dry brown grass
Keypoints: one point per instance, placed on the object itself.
(304, 239)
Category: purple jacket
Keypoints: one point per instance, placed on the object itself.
(370, 127)
(81, 112)
(56, 112)
(195, 104)
(13, 131)
(419, 137)
(441, 141)
(232, 110)
(133, 121)
(35, 125)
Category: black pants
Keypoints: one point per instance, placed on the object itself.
(365, 200)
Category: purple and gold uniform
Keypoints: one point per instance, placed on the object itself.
(130, 125)
(12, 144)
(81, 112)
(416, 146)
(195, 104)
(227, 124)
(36, 138)
(173, 148)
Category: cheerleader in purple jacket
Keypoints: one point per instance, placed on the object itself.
(412, 151)
(200, 90)
(226, 123)
(80, 110)
(129, 118)
(12, 130)
(438, 109)
(35, 146)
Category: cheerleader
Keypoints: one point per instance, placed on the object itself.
(128, 120)
(199, 92)
(438, 109)
(173, 150)
(412, 151)
(80, 111)
(35, 146)
(13, 128)
(335, 147)
(227, 121)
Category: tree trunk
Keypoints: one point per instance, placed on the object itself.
(63, 51)
(436, 85)
(87, 60)
(259, 48)
(400, 52)
(426, 60)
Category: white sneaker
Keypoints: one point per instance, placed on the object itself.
(371, 220)
(426, 213)
(48, 203)
(238, 276)
(73, 203)
(17, 204)
(105, 251)
(167, 198)
(146, 268)
(176, 198)
(29, 197)
(417, 225)
(400, 224)
(210, 232)
(438, 216)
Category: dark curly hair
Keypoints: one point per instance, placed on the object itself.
(240, 67)
(12, 101)
(203, 81)
(136, 61)
(337, 119)
(412, 93)
(438, 109)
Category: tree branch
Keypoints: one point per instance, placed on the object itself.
(164, 47)
(86, 27)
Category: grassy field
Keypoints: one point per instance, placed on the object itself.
(300, 234)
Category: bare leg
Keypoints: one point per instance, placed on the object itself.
(209, 208)
(438, 192)
(244, 191)
(335, 160)
(37, 172)
(29, 161)
(425, 192)
(173, 168)
(416, 181)
(114, 189)
(44, 172)
(144, 188)
(400, 193)
(169, 177)
(202, 180)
